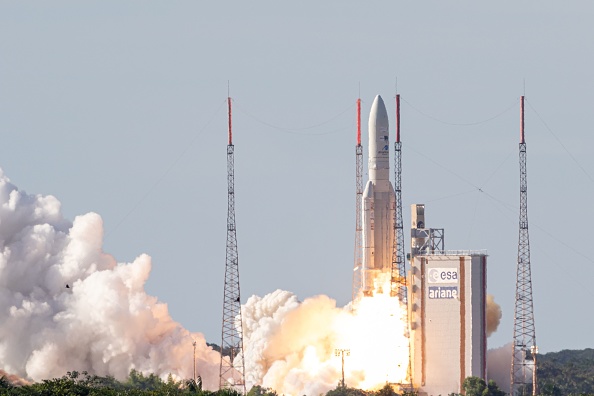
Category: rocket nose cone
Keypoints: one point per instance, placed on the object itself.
(379, 148)
(378, 110)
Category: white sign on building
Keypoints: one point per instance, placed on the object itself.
(442, 275)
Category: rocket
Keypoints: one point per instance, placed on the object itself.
(379, 205)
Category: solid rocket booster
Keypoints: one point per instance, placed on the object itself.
(379, 204)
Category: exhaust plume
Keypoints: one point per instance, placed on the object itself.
(66, 305)
(291, 347)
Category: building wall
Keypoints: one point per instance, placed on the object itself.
(448, 307)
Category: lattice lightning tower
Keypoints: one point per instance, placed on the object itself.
(358, 202)
(398, 275)
(232, 370)
(523, 369)
(398, 278)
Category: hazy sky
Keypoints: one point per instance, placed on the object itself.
(117, 107)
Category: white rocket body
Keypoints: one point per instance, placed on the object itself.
(379, 204)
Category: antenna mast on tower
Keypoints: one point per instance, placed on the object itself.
(232, 370)
(523, 368)
(358, 200)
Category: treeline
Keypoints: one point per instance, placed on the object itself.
(75, 383)
(137, 384)
(565, 373)
(83, 384)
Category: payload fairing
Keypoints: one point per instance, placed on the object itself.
(379, 204)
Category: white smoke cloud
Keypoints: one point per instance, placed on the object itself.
(262, 317)
(66, 305)
(290, 346)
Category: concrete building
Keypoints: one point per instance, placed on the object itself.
(447, 296)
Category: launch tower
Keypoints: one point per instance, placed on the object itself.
(358, 200)
(398, 276)
(523, 368)
(398, 284)
(232, 371)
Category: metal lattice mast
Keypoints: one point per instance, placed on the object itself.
(358, 202)
(523, 369)
(398, 276)
(232, 370)
(398, 279)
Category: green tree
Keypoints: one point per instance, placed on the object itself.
(5, 384)
(257, 390)
(137, 380)
(550, 389)
(345, 391)
(227, 392)
(493, 389)
(475, 386)
(386, 391)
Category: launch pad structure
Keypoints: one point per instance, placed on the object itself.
(443, 295)
(445, 318)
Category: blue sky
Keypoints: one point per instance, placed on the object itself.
(118, 107)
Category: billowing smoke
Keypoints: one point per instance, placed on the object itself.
(66, 305)
(499, 366)
(291, 347)
(493, 315)
(284, 339)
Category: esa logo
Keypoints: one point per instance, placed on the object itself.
(443, 275)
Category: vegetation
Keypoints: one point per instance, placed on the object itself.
(475, 386)
(137, 384)
(346, 391)
(259, 391)
(566, 373)
(387, 390)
